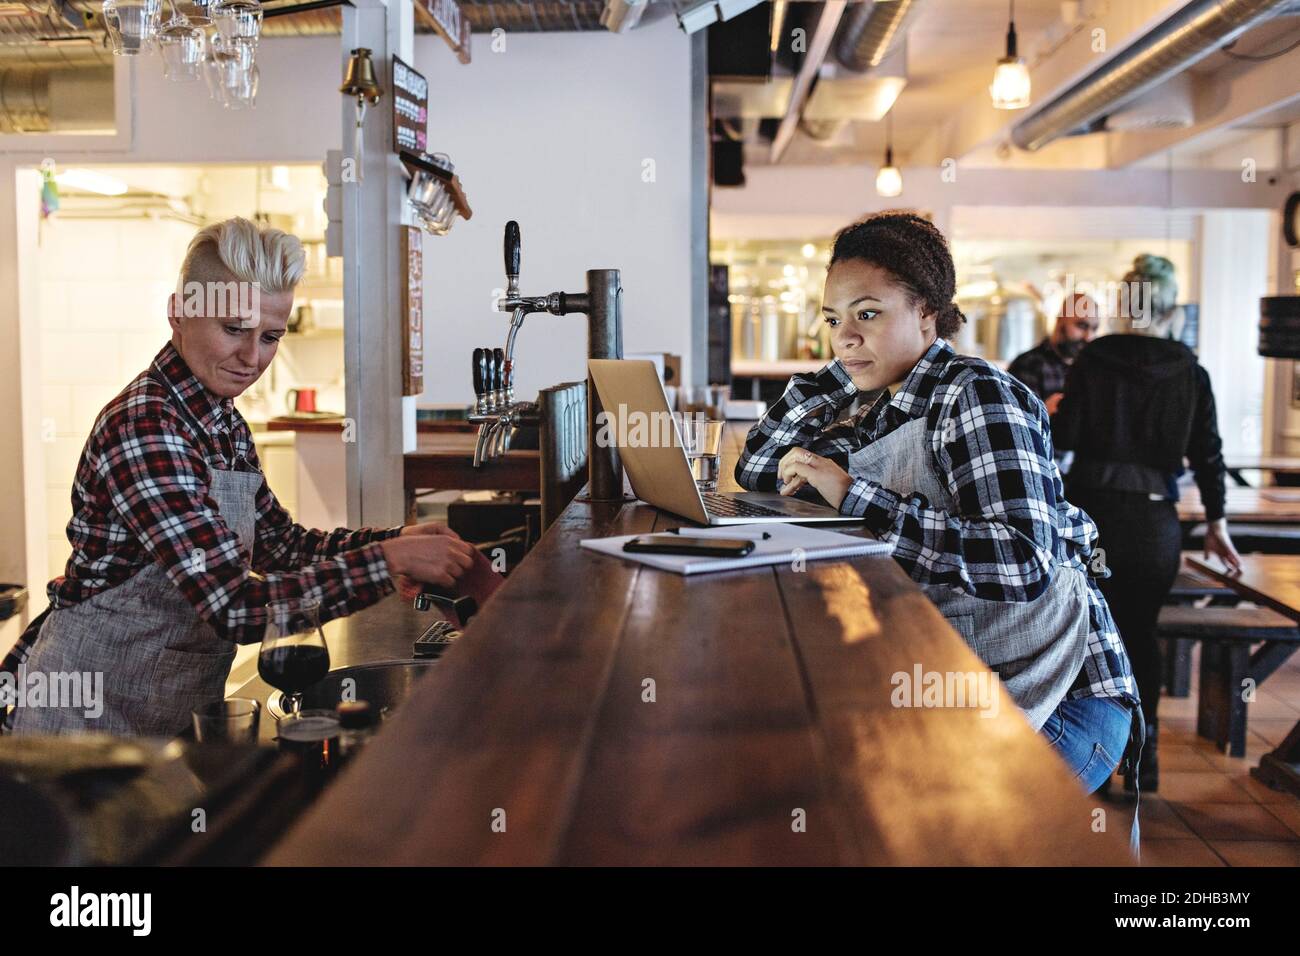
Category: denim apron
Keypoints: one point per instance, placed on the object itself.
(158, 658)
(1036, 647)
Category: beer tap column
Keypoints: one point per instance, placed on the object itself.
(602, 303)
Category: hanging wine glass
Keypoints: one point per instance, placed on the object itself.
(132, 24)
(212, 72)
(242, 95)
(238, 19)
(183, 49)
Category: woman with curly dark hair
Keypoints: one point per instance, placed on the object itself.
(953, 465)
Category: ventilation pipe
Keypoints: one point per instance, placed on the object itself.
(1190, 35)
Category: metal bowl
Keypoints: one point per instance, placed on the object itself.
(384, 684)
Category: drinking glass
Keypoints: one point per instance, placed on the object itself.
(227, 721)
(707, 400)
(183, 48)
(238, 19)
(702, 439)
(294, 655)
(132, 24)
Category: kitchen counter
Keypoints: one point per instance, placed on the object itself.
(600, 712)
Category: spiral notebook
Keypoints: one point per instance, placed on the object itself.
(773, 544)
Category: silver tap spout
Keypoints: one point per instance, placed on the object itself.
(481, 445)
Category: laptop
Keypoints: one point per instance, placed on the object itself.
(642, 426)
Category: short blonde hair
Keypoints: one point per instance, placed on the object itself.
(241, 249)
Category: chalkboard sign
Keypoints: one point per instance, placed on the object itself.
(413, 311)
(410, 109)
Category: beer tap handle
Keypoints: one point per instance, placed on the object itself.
(512, 244)
(479, 371)
(499, 370)
(476, 370)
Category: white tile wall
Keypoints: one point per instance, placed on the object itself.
(103, 297)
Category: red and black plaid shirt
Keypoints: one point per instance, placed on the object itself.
(140, 496)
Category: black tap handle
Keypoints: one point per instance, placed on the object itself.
(478, 369)
(464, 606)
(512, 248)
(499, 366)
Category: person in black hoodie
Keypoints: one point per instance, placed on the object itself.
(1136, 404)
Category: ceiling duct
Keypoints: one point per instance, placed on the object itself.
(1168, 106)
(1191, 34)
(56, 90)
(869, 31)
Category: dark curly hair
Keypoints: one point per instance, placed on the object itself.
(912, 250)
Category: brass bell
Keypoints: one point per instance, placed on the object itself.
(360, 80)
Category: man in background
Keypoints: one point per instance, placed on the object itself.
(1043, 367)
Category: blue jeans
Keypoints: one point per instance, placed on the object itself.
(1090, 735)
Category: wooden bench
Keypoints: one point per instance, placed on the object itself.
(1189, 588)
(1227, 663)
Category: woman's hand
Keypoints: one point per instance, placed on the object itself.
(801, 467)
(1219, 544)
(426, 558)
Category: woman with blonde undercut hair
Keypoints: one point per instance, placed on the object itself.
(1136, 404)
(178, 544)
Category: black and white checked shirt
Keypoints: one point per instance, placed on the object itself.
(1011, 527)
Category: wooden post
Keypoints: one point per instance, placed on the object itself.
(375, 335)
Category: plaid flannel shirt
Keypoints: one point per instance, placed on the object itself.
(1041, 368)
(140, 496)
(1011, 525)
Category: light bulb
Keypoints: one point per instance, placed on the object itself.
(1010, 87)
(889, 181)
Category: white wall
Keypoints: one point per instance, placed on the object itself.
(1235, 255)
(553, 132)
(102, 297)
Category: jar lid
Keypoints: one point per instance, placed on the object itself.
(308, 729)
(354, 714)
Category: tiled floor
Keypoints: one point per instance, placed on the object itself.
(1209, 811)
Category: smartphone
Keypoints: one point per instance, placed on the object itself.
(689, 544)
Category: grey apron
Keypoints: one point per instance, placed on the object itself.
(1036, 647)
(158, 658)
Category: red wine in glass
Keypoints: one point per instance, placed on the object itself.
(293, 668)
(294, 655)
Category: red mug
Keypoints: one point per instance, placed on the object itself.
(301, 399)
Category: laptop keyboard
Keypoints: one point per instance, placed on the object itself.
(726, 506)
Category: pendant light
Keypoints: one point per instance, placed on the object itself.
(1010, 87)
(889, 181)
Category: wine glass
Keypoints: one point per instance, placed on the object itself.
(294, 655)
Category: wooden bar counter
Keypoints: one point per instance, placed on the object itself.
(600, 712)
